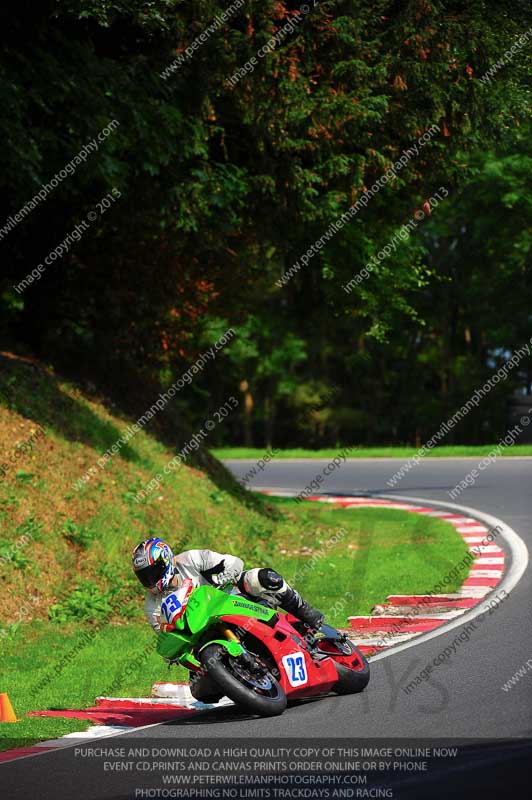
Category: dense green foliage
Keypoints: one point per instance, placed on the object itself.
(224, 185)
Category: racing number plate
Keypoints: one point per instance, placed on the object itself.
(296, 669)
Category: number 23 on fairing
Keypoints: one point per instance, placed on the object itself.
(295, 668)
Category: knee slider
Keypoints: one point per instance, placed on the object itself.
(270, 579)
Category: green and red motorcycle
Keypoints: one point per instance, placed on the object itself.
(258, 657)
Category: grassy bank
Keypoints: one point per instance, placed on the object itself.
(343, 561)
(72, 625)
(449, 451)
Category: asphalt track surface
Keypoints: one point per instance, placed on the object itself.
(464, 700)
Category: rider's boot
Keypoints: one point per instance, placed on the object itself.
(290, 600)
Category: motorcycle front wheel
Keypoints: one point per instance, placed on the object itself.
(245, 680)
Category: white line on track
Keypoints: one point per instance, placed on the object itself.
(516, 547)
(518, 563)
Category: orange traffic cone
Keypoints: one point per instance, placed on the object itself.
(6, 709)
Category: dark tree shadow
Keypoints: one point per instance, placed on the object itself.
(35, 392)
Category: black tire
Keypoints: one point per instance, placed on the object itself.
(351, 681)
(218, 664)
(203, 688)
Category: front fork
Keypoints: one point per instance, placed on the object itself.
(228, 639)
(227, 633)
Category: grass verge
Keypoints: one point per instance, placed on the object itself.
(72, 625)
(449, 451)
(342, 561)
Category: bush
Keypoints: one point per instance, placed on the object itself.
(86, 602)
(78, 535)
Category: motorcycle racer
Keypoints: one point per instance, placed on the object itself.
(161, 572)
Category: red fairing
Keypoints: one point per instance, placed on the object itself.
(300, 675)
(352, 661)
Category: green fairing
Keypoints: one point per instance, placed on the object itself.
(204, 609)
(233, 648)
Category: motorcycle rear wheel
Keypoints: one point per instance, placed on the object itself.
(353, 678)
(350, 681)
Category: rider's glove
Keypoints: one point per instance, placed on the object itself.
(229, 575)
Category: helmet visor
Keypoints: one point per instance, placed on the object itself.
(149, 576)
